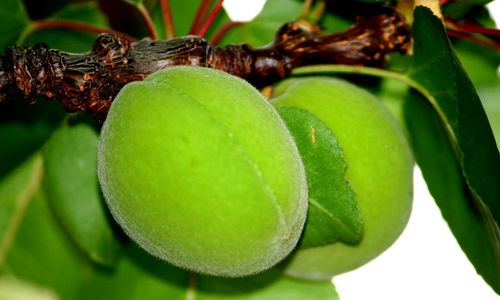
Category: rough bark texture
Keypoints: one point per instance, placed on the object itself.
(89, 81)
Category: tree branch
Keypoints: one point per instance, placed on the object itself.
(90, 81)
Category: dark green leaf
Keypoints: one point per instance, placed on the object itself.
(469, 135)
(70, 158)
(270, 285)
(436, 158)
(16, 191)
(456, 100)
(71, 40)
(333, 213)
(43, 255)
(13, 21)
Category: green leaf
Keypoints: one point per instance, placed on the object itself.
(71, 40)
(458, 103)
(270, 285)
(42, 254)
(263, 28)
(16, 191)
(70, 158)
(442, 173)
(333, 213)
(470, 138)
(13, 21)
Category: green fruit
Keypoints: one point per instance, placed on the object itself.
(379, 169)
(199, 169)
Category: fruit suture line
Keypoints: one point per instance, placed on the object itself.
(90, 81)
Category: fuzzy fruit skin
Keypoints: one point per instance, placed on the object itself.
(199, 169)
(380, 166)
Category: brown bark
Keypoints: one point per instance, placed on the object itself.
(89, 81)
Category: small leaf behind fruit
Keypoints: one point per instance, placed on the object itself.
(71, 182)
(333, 212)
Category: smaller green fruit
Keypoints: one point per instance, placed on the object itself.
(379, 169)
(199, 169)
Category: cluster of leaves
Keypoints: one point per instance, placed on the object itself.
(58, 240)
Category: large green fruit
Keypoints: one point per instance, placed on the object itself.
(379, 169)
(199, 169)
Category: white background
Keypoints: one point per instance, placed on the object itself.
(426, 262)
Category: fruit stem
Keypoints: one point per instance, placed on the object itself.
(224, 30)
(317, 12)
(306, 8)
(147, 20)
(470, 27)
(313, 13)
(168, 20)
(210, 19)
(202, 11)
(362, 70)
(69, 25)
(472, 38)
(467, 30)
(191, 291)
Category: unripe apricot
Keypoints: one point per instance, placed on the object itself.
(199, 169)
(379, 170)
